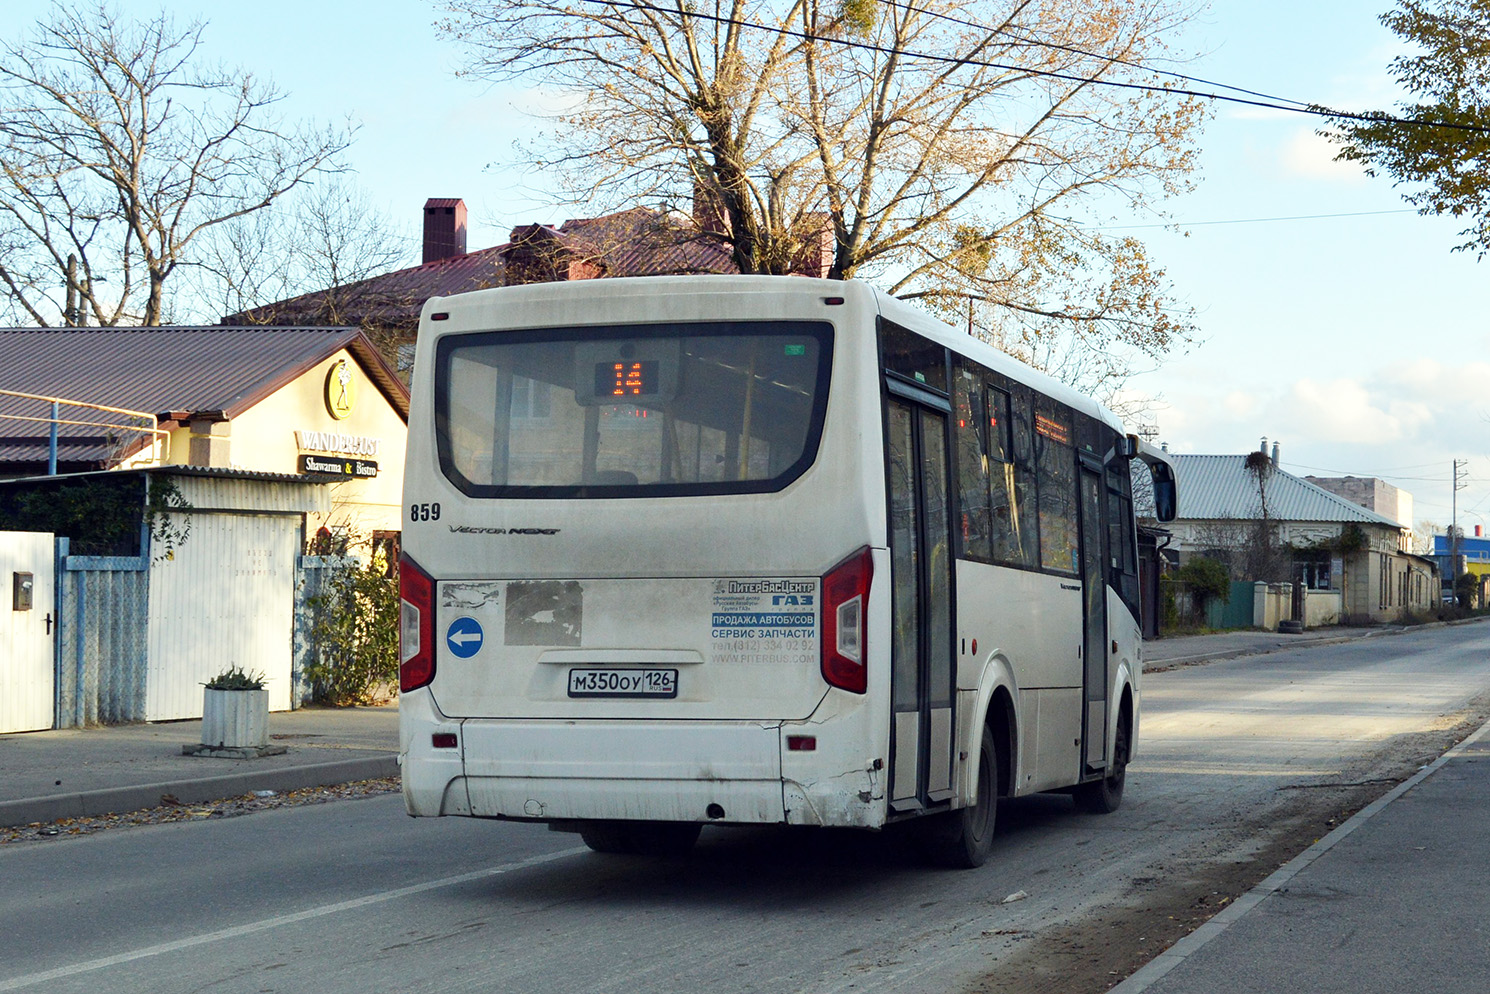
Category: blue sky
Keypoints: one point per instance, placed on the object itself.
(1360, 343)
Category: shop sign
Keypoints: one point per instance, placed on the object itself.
(341, 469)
(338, 442)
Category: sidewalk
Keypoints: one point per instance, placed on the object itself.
(1168, 653)
(76, 772)
(1395, 899)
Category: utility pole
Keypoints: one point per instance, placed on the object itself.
(70, 315)
(1454, 528)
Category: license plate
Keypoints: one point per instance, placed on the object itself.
(623, 683)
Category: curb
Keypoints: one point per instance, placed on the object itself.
(1161, 665)
(195, 791)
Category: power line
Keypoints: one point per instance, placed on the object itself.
(1249, 220)
(1384, 469)
(1046, 43)
(1314, 110)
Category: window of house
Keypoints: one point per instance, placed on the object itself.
(1312, 569)
(385, 551)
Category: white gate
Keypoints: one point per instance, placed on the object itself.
(28, 626)
(224, 599)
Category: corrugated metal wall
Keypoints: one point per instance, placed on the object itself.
(225, 599)
(216, 493)
(102, 644)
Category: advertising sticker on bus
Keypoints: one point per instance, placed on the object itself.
(765, 621)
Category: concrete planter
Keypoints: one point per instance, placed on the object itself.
(235, 719)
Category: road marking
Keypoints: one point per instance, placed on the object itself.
(238, 931)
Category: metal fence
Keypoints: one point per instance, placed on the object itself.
(312, 574)
(102, 651)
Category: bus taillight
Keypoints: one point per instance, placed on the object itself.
(845, 597)
(416, 626)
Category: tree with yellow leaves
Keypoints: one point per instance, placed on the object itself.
(962, 153)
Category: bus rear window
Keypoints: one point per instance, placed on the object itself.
(655, 410)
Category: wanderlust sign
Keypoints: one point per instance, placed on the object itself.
(339, 442)
(342, 469)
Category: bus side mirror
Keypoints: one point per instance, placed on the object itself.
(1165, 498)
(1166, 493)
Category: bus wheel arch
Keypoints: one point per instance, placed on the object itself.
(1000, 721)
(963, 838)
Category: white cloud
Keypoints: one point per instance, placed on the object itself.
(1437, 381)
(1345, 411)
(1241, 405)
(1308, 155)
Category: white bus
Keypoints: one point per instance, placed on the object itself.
(757, 551)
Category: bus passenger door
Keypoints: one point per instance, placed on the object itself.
(1094, 615)
(921, 574)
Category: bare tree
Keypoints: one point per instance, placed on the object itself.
(119, 150)
(1422, 537)
(946, 150)
(324, 239)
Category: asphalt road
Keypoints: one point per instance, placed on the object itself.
(1240, 759)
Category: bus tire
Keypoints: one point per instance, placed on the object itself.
(640, 838)
(606, 836)
(1103, 797)
(963, 839)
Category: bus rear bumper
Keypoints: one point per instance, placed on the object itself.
(647, 771)
(740, 802)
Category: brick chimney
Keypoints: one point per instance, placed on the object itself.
(209, 438)
(444, 228)
(819, 248)
(709, 215)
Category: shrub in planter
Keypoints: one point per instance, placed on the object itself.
(236, 678)
(235, 711)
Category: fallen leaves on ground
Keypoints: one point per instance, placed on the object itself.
(172, 810)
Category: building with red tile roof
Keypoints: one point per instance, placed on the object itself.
(635, 242)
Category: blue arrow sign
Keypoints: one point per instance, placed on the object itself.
(464, 637)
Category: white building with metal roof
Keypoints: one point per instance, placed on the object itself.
(1230, 504)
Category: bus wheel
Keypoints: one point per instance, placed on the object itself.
(644, 838)
(1102, 797)
(607, 836)
(962, 839)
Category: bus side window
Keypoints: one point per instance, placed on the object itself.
(1121, 540)
(972, 466)
(908, 354)
(1011, 531)
(1056, 463)
(1022, 503)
